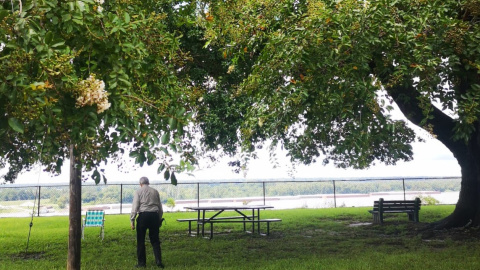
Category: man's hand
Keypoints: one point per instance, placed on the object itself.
(133, 226)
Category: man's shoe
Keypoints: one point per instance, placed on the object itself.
(140, 266)
(160, 265)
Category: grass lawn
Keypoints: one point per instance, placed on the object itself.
(341, 238)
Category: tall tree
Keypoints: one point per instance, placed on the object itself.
(89, 80)
(319, 77)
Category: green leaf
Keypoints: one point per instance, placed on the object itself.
(96, 177)
(160, 168)
(3, 14)
(206, 44)
(173, 147)
(166, 175)
(93, 116)
(57, 43)
(48, 37)
(80, 5)
(126, 17)
(127, 83)
(15, 125)
(172, 122)
(77, 21)
(165, 138)
(104, 179)
(133, 154)
(66, 17)
(181, 111)
(173, 179)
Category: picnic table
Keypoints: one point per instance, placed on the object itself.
(244, 217)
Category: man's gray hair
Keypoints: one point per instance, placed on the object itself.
(144, 181)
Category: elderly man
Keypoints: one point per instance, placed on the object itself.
(146, 203)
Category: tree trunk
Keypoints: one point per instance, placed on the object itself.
(467, 211)
(75, 212)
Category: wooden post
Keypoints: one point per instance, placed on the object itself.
(75, 212)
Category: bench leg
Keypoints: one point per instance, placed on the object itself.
(376, 218)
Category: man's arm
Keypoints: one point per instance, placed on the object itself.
(160, 212)
(160, 209)
(135, 206)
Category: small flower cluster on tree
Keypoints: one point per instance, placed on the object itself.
(92, 92)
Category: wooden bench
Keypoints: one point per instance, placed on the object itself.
(190, 220)
(380, 207)
(268, 221)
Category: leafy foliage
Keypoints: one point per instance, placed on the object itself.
(102, 76)
(319, 77)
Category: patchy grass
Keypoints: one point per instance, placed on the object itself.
(341, 238)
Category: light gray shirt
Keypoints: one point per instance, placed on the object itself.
(146, 199)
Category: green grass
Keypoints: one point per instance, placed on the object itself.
(305, 239)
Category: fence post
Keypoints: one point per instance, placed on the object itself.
(404, 196)
(263, 193)
(121, 198)
(198, 194)
(38, 207)
(334, 195)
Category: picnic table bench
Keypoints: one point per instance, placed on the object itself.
(411, 207)
(267, 221)
(190, 220)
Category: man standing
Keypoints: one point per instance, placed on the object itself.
(146, 203)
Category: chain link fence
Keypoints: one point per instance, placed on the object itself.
(50, 200)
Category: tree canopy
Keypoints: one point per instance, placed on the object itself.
(317, 68)
(319, 78)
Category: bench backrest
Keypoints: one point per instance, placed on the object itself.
(396, 205)
(94, 218)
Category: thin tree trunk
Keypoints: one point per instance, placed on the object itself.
(75, 212)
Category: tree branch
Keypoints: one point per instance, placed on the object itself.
(407, 99)
(143, 101)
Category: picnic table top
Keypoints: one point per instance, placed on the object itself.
(228, 207)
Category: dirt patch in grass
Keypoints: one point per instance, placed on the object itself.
(420, 230)
(458, 234)
(29, 256)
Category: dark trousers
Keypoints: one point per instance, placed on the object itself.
(148, 220)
